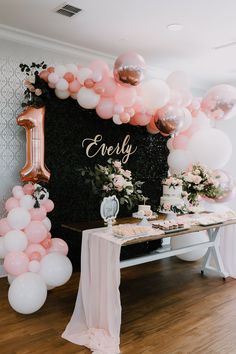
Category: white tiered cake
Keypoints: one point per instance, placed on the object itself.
(172, 200)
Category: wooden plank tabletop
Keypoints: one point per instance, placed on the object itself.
(79, 227)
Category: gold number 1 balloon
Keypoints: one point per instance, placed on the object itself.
(32, 119)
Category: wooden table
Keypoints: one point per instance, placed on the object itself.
(212, 245)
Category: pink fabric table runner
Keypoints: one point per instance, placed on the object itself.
(96, 319)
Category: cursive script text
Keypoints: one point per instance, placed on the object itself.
(95, 146)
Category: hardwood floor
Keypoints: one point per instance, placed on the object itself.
(167, 309)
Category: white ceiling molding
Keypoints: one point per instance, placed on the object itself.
(84, 54)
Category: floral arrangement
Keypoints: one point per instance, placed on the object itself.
(180, 208)
(172, 181)
(37, 90)
(200, 181)
(113, 179)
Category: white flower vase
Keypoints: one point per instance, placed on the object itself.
(188, 240)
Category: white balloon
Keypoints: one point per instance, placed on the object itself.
(178, 80)
(53, 78)
(63, 95)
(34, 266)
(47, 223)
(87, 98)
(169, 144)
(15, 240)
(83, 74)
(188, 240)
(10, 278)
(179, 160)
(27, 202)
(210, 147)
(56, 269)
(200, 122)
(72, 68)
(60, 70)
(18, 218)
(27, 293)
(155, 94)
(187, 120)
(62, 85)
(18, 192)
(3, 250)
(116, 119)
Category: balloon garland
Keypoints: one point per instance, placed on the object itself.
(34, 261)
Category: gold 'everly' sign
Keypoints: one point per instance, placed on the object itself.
(94, 146)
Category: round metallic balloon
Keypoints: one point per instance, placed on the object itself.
(169, 119)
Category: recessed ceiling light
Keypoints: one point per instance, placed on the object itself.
(175, 27)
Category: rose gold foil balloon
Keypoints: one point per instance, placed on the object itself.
(129, 69)
(169, 119)
(32, 119)
(220, 102)
(226, 185)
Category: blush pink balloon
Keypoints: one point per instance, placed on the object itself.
(142, 118)
(59, 245)
(180, 142)
(107, 87)
(51, 69)
(38, 214)
(125, 96)
(133, 121)
(48, 205)
(16, 263)
(99, 66)
(35, 247)
(18, 192)
(4, 227)
(69, 77)
(35, 256)
(118, 109)
(12, 203)
(36, 231)
(105, 108)
(89, 83)
(195, 106)
(47, 242)
(28, 189)
(74, 86)
(124, 117)
(44, 75)
(152, 131)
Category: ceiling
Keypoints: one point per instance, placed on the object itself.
(114, 27)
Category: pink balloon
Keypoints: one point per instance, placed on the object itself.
(35, 247)
(4, 227)
(89, 83)
(118, 109)
(74, 86)
(220, 102)
(195, 106)
(133, 121)
(151, 130)
(125, 96)
(105, 108)
(38, 214)
(180, 142)
(28, 189)
(129, 69)
(138, 105)
(12, 203)
(59, 245)
(142, 118)
(36, 231)
(107, 87)
(47, 242)
(18, 192)
(16, 263)
(124, 117)
(187, 97)
(99, 66)
(69, 77)
(44, 75)
(48, 205)
(35, 256)
(175, 97)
